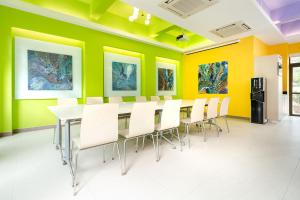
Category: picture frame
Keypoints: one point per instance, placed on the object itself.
(166, 79)
(213, 78)
(122, 75)
(45, 70)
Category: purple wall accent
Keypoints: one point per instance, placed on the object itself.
(291, 28)
(264, 6)
(286, 14)
(275, 4)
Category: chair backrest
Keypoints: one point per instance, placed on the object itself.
(170, 117)
(115, 99)
(197, 113)
(224, 106)
(168, 98)
(155, 98)
(212, 108)
(67, 102)
(94, 100)
(142, 118)
(140, 99)
(99, 125)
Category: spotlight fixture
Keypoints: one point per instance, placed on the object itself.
(147, 21)
(134, 15)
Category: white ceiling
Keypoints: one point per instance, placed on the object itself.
(223, 13)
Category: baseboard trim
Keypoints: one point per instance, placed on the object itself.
(238, 117)
(5, 134)
(22, 130)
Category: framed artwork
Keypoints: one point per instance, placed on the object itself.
(46, 70)
(213, 78)
(165, 79)
(121, 75)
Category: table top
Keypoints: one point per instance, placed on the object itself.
(75, 112)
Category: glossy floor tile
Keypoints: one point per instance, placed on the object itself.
(252, 162)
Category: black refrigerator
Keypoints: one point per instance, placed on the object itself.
(258, 100)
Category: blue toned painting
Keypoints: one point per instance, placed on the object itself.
(213, 78)
(124, 76)
(49, 71)
(165, 79)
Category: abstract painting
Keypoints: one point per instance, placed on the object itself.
(213, 78)
(123, 76)
(165, 79)
(49, 71)
(45, 70)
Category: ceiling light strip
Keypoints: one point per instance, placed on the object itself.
(212, 47)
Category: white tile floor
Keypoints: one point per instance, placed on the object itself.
(253, 162)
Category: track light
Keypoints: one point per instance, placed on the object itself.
(147, 21)
(134, 15)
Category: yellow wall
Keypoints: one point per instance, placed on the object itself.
(240, 70)
(240, 59)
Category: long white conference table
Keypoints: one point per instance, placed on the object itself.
(68, 114)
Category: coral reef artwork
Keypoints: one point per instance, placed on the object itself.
(49, 71)
(213, 78)
(165, 79)
(124, 76)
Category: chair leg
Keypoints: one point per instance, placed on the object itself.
(75, 174)
(143, 144)
(103, 154)
(188, 135)
(124, 158)
(217, 126)
(204, 132)
(226, 124)
(137, 145)
(54, 134)
(157, 146)
(113, 151)
(180, 142)
(153, 142)
(119, 155)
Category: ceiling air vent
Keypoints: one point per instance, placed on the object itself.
(186, 8)
(231, 29)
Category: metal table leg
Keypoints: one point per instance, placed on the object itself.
(57, 137)
(67, 143)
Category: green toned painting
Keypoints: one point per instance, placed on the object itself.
(49, 71)
(213, 78)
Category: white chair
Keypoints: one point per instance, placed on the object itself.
(170, 121)
(197, 117)
(168, 98)
(140, 99)
(224, 110)
(94, 100)
(99, 127)
(212, 114)
(155, 98)
(141, 123)
(63, 102)
(115, 99)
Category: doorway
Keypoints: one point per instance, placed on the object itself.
(294, 83)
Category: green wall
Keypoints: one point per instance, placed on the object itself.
(18, 114)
